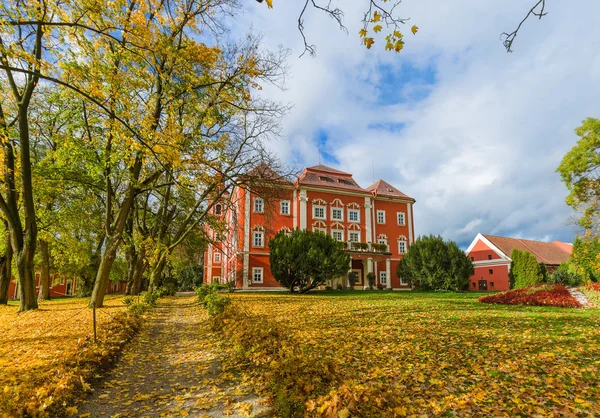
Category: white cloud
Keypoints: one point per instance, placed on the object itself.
(478, 148)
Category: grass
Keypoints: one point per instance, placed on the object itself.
(403, 353)
(45, 353)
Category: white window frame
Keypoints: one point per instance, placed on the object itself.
(351, 233)
(281, 206)
(260, 202)
(317, 229)
(341, 218)
(340, 231)
(403, 282)
(402, 241)
(323, 208)
(357, 211)
(261, 272)
(401, 215)
(382, 213)
(383, 277)
(255, 235)
(217, 257)
(217, 279)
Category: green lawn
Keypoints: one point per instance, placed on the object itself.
(403, 353)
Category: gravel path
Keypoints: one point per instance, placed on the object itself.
(580, 297)
(172, 368)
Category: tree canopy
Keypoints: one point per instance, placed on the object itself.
(304, 260)
(432, 263)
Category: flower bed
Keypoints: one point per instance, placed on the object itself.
(544, 294)
(592, 292)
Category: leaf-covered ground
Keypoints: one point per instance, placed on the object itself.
(172, 368)
(46, 355)
(434, 354)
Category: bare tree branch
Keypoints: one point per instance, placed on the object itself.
(538, 10)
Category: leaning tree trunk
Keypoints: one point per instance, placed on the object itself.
(102, 276)
(6, 268)
(44, 292)
(156, 272)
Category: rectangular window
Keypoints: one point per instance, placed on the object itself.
(337, 214)
(380, 216)
(259, 205)
(402, 247)
(473, 285)
(353, 236)
(401, 219)
(258, 239)
(403, 282)
(383, 277)
(472, 258)
(492, 285)
(61, 280)
(217, 257)
(216, 279)
(491, 271)
(337, 235)
(323, 230)
(489, 257)
(353, 215)
(319, 212)
(257, 275)
(284, 207)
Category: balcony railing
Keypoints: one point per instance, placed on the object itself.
(367, 247)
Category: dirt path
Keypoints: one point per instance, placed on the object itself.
(172, 368)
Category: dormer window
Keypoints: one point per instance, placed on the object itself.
(323, 178)
(390, 190)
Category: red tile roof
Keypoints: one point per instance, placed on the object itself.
(325, 169)
(383, 188)
(263, 172)
(323, 176)
(552, 253)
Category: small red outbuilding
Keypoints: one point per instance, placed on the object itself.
(491, 256)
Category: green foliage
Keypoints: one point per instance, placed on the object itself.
(543, 272)
(525, 269)
(209, 297)
(150, 298)
(432, 263)
(567, 275)
(586, 257)
(190, 277)
(579, 171)
(306, 259)
(352, 279)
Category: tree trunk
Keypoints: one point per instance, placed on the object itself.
(102, 276)
(131, 257)
(156, 272)
(6, 268)
(138, 275)
(44, 293)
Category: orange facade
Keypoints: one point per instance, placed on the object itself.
(491, 267)
(321, 199)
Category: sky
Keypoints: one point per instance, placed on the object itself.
(472, 132)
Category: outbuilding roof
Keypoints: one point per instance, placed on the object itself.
(552, 253)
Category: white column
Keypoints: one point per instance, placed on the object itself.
(294, 210)
(368, 236)
(388, 273)
(247, 227)
(303, 200)
(410, 223)
(210, 263)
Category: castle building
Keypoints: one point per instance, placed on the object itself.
(321, 199)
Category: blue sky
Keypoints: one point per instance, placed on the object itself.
(472, 133)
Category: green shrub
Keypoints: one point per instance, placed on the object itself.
(525, 269)
(128, 300)
(209, 297)
(150, 298)
(371, 280)
(566, 275)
